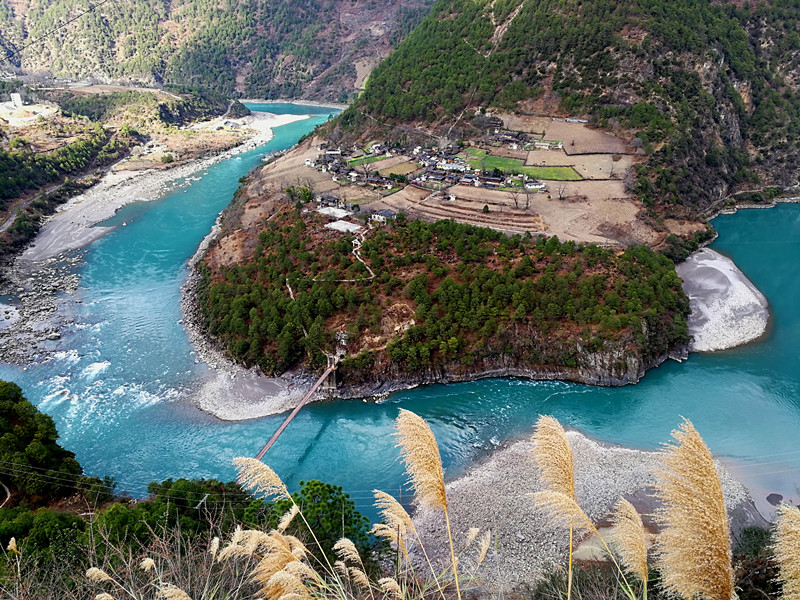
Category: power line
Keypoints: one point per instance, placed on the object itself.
(55, 29)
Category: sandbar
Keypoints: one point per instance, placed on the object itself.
(727, 309)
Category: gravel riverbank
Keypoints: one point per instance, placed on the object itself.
(526, 545)
(230, 392)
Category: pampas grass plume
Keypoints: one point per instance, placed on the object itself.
(96, 575)
(258, 477)
(693, 547)
(629, 538)
(171, 592)
(288, 517)
(562, 509)
(104, 596)
(554, 456)
(421, 457)
(347, 551)
(12, 546)
(213, 548)
(359, 578)
(393, 514)
(787, 550)
(147, 564)
(471, 535)
(391, 587)
(483, 545)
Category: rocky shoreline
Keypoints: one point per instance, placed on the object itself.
(30, 327)
(526, 544)
(383, 388)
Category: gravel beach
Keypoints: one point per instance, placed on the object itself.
(727, 309)
(526, 545)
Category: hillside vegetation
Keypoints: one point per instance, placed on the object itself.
(443, 296)
(260, 48)
(708, 89)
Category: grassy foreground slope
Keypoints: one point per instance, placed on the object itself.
(709, 88)
(444, 298)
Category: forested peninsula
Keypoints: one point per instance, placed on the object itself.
(443, 301)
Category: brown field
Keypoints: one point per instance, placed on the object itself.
(602, 220)
(405, 168)
(508, 153)
(578, 138)
(589, 166)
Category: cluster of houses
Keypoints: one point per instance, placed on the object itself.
(442, 167)
(517, 140)
(337, 162)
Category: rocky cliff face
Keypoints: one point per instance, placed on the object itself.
(619, 363)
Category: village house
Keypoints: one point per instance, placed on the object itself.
(381, 216)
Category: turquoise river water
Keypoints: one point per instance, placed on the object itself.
(120, 385)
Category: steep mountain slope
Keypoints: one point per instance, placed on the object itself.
(265, 48)
(709, 88)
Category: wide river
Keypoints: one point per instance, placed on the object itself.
(120, 387)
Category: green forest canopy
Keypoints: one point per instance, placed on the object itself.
(466, 287)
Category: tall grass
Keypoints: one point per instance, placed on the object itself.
(693, 546)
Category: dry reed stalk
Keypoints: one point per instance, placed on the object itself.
(630, 539)
(693, 547)
(423, 462)
(258, 477)
(787, 550)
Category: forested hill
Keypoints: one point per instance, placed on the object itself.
(710, 89)
(262, 48)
